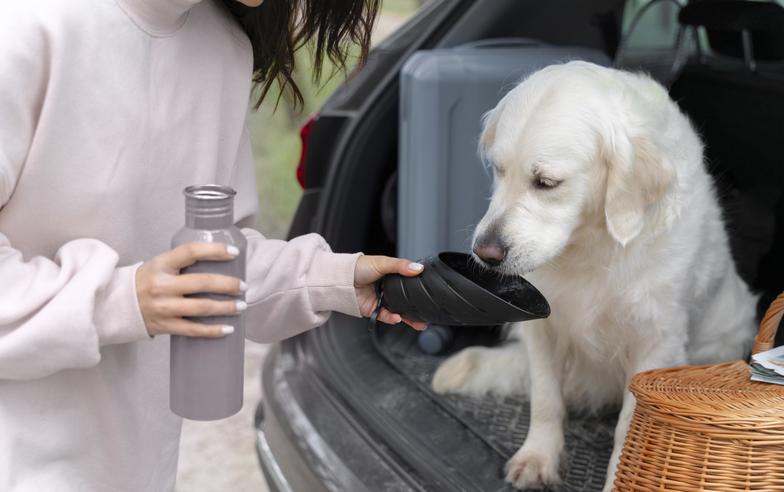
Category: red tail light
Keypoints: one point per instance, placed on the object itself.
(304, 135)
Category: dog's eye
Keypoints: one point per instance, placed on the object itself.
(545, 183)
(498, 170)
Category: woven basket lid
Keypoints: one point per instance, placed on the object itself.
(720, 393)
(706, 427)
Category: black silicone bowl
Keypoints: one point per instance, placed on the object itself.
(455, 290)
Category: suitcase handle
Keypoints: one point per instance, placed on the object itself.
(502, 43)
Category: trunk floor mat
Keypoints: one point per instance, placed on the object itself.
(502, 423)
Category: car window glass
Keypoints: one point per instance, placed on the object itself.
(656, 25)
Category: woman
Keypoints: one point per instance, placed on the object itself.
(108, 109)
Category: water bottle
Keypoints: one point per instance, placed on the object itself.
(207, 373)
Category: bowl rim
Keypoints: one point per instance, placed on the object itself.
(538, 315)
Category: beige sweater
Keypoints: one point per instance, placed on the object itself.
(108, 109)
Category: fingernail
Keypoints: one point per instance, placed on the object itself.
(243, 286)
(241, 306)
(233, 250)
(227, 329)
(416, 267)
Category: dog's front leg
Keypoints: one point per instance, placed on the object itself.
(662, 355)
(621, 428)
(536, 462)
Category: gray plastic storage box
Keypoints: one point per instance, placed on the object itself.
(443, 188)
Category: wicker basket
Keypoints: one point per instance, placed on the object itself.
(706, 427)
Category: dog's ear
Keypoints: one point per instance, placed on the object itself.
(489, 124)
(639, 175)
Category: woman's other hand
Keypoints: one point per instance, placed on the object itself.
(368, 271)
(161, 291)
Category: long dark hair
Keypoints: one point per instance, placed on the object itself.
(278, 28)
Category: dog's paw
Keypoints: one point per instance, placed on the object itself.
(529, 469)
(454, 374)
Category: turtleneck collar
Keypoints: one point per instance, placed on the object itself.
(158, 17)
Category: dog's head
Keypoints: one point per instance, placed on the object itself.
(575, 151)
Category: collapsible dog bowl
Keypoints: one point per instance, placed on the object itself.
(455, 290)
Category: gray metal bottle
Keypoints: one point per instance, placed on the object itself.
(207, 373)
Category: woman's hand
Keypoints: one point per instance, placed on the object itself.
(368, 271)
(161, 290)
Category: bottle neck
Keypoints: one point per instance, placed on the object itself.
(209, 207)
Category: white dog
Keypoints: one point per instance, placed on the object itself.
(602, 199)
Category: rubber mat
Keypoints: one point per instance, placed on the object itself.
(503, 422)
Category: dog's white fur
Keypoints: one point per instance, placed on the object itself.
(629, 249)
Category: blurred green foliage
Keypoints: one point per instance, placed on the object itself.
(400, 7)
(274, 130)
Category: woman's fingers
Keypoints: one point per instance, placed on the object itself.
(386, 265)
(410, 268)
(161, 290)
(389, 318)
(187, 254)
(371, 268)
(195, 307)
(417, 325)
(193, 283)
(179, 326)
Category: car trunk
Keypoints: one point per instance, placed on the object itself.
(378, 380)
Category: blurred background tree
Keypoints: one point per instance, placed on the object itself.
(275, 131)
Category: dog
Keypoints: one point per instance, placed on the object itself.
(602, 199)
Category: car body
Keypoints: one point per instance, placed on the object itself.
(349, 409)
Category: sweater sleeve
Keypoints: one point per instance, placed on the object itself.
(55, 313)
(294, 286)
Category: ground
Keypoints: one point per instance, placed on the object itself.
(221, 455)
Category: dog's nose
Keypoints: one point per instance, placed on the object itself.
(491, 252)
